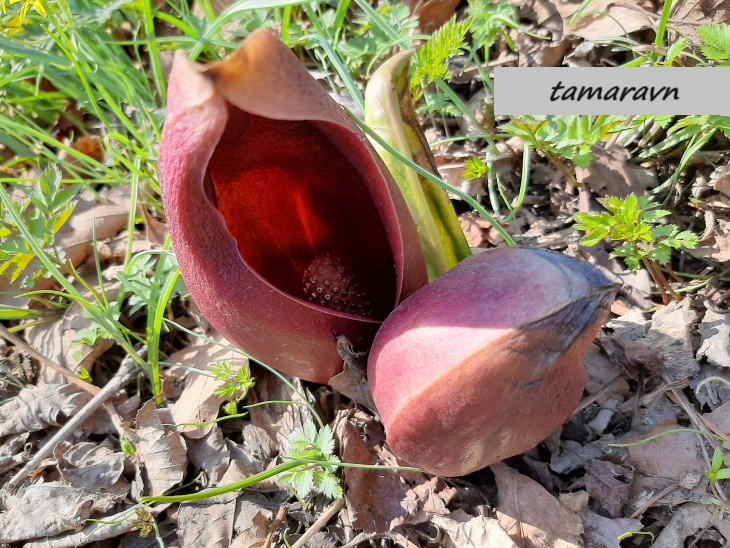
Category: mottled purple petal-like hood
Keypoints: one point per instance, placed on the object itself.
(288, 229)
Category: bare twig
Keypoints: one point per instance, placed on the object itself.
(606, 389)
(656, 498)
(72, 378)
(279, 520)
(700, 424)
(124, 374)
(322, 520)
(112, 526)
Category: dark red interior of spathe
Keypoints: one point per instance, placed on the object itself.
(289, 197)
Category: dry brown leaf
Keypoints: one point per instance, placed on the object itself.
(88, 465)
(103, 218)
(609, 485)
(576, 501)
(253, 456)
(432, 13)
(45, 510)
(689, 520)
(277, 420)
(715, 244)
(198, 402)
(688, 14)
(601, 532)
(720, 417)
(601, 371)
(55, 340)
(374, 497)
(89, 146)
(210, 454)
(720, 180)
(156, 230)
(14, 452)
(611, 174)
(478, 231)
(574, 455)
(604, 18)
(162, 452)
(673, 457)
(715, 339)
(637, 359)
(542, 12)
(254, 514)
(671, 330)
(464, 531)
(207, 522)
(532, 517)
(37, 407)
(433, 495)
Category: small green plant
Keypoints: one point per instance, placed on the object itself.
(236, 384)
(569, 137)
(634, 220)
(47, 207)
(145, 522)
(310, 467)
(490, 21)
(319, 476)
(139, 278)
(15, 24)
(85, 375)
(716, 38)
(474, 168)
(431, 61)
(89, 335)
(370, 41)
(127, 446)
(720, 469)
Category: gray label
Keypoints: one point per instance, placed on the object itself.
(641, 90)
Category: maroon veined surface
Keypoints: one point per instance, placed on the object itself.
(267, 183)
(484, 363)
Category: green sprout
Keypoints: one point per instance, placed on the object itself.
(720, 459)
(45, 209)
(634, 220)
(312, 445)
(474, 168)
(236, 384)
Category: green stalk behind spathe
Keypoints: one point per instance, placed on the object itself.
(389, 112)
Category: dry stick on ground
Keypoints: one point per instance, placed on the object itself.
(366, 537)
(606, 389)
(699, 423)
(279, 520)
(126, 372)
(649, 503)
(48, 363)
(322, 520)
(110, 527)
(19, 343)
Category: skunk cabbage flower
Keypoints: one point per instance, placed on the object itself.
(288, 228)
(485, 362)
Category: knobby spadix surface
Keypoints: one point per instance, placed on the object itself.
(287, 226)
(485, 362)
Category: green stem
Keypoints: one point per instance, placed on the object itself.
(431, 177)
(216, 491)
